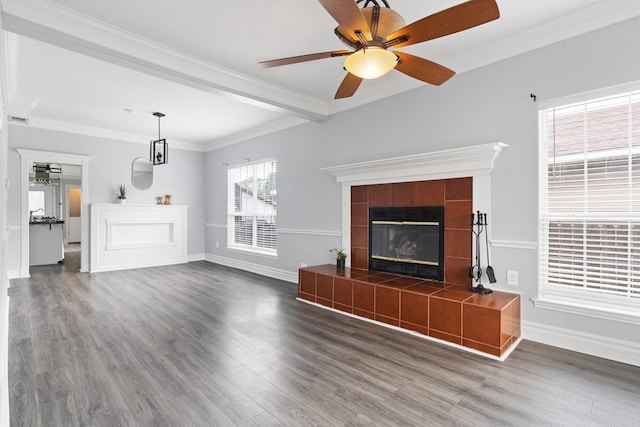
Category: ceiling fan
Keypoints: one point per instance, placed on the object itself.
(372, 30)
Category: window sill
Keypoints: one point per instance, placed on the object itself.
(617, 315)
(254, 251)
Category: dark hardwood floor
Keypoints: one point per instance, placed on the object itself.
(200, 345)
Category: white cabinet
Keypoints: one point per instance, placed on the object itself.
(45, 243)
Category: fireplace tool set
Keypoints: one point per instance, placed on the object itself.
(478, 227)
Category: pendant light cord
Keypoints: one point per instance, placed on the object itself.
(159, 116)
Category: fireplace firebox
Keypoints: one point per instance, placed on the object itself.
(407, 240)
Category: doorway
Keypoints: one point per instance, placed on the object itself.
(28, 157)
(73, 214)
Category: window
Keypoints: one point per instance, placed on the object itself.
(590, 203)
(42, 200)
(252, 207)
(36, 202)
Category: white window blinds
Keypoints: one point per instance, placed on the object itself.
(590, 201)
(252, 207)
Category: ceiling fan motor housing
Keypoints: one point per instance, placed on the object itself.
(388, 22)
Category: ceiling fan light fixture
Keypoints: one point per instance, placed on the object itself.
(371, 62)
(370, 31)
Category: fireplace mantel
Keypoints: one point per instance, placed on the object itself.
(472, 161)
(454, 163)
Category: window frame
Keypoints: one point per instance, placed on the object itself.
(577, 301)
(49, 197)
(232, 213)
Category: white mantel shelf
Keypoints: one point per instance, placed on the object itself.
(454, 163)
(474, 161)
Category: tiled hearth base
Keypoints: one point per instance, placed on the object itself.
(489, 323)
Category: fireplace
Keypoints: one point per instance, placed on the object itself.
(407, 240)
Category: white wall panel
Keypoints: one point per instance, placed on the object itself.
(133, 236)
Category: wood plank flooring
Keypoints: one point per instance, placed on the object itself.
(204, 345)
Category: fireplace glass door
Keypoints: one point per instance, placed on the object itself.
(405, 241)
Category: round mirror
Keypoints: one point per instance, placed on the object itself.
(141, 173)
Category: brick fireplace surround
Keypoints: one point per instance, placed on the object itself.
(445, 311)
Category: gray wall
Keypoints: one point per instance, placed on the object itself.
(110, 166)
(485, 105)
(307, 198)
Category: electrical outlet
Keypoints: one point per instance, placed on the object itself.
(217, 245)
(512, 278)
(303, 265)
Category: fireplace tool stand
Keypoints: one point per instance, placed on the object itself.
(478, 226)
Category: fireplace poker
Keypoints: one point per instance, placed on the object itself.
(476, 271)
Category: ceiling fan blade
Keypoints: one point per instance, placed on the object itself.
(423, 69)
(348, 86)
(449, 21)
(348, 15)
(304, 58)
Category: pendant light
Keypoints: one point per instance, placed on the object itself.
(159, 147)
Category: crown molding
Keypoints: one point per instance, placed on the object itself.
(98, 132)
(591, 18)
(255, 132)
(63, 27)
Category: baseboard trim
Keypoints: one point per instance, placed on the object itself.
(583, 342)
(196, 257)
(15, 274)
(136, 266)
(4, 357)
(275, 273)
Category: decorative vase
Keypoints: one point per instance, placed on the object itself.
(167, 199)
(160, 200)
(340, 264)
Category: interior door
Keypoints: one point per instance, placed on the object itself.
(73, 219)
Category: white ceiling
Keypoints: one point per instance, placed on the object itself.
(102, 68)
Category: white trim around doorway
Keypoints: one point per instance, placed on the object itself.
(27, 157)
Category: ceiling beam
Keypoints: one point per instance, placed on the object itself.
(62, 27)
